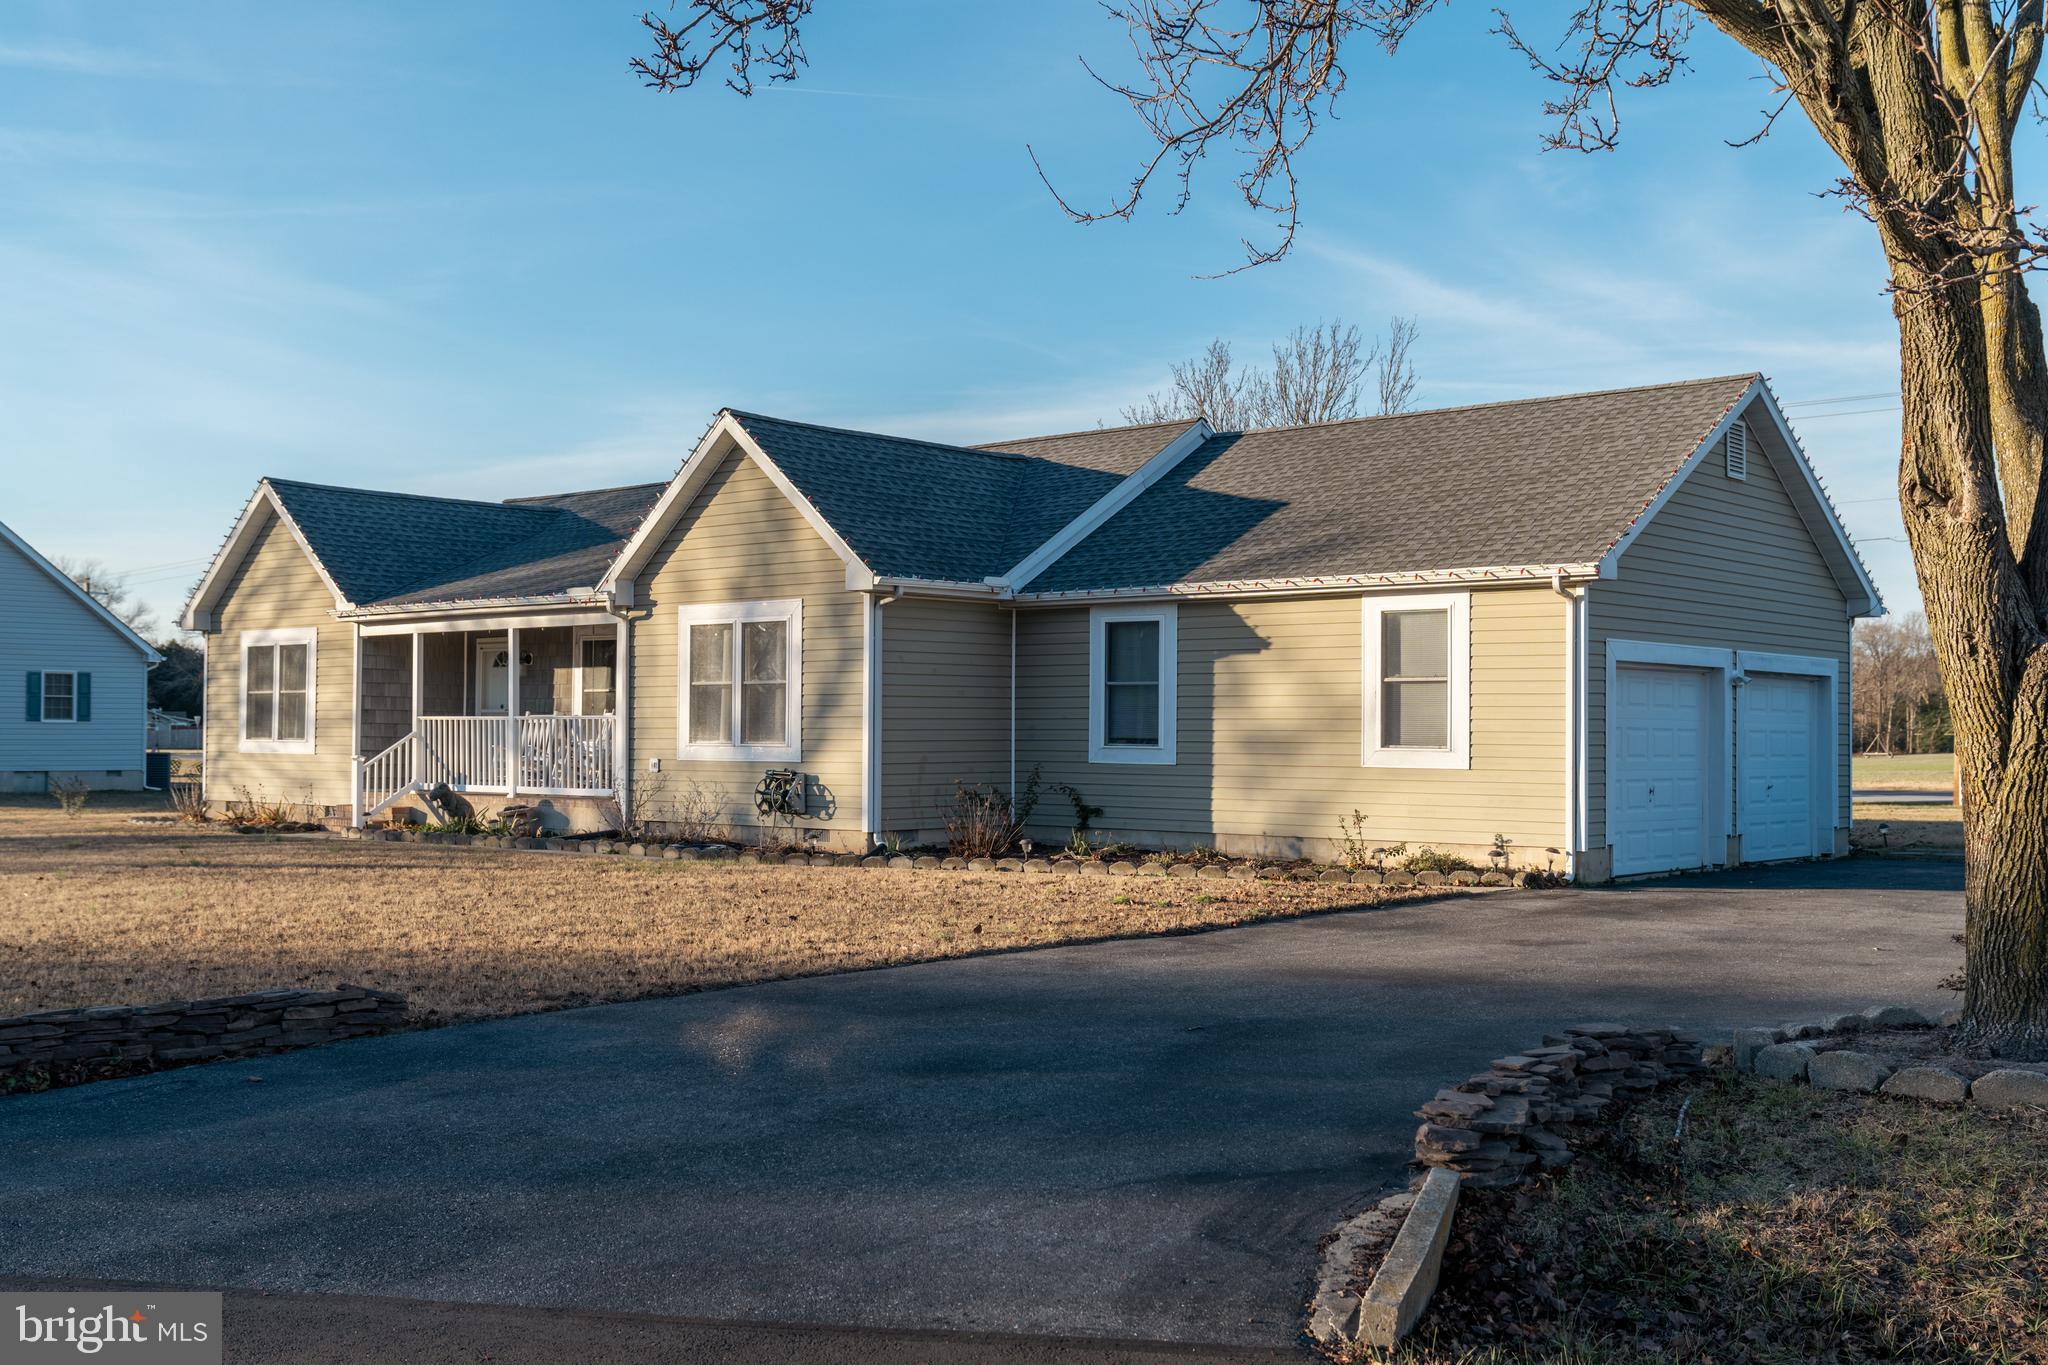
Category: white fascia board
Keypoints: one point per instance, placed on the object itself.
(1808, 498)
(938, 587)
(1325, 585)
(1823, 507)
(725, 434)
(93, 604)
(410, 611)
(198, 613)
(1106, 506)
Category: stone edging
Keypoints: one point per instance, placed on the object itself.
(1487, 1132)
(1211, 871)
(180, 1031)
(1818, 1054)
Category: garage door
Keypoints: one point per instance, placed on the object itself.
(1778, 722)
(1657, 801)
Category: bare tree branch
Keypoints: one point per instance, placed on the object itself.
(746, 33)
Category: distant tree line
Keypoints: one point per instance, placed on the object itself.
(1898, 706)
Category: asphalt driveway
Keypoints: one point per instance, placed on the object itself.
(1140, 1139)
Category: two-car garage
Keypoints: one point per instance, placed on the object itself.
(1705, 744)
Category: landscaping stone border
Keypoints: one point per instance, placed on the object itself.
(1489, 1131)
(1216, 870)
(179, 1031)
(1822, 1054)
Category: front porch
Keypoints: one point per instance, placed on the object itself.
(521, 708)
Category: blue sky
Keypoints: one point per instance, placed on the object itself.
(458, 249)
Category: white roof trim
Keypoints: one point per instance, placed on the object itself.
(98, 608)
(1809, 500)
(1325, 583)
(1105, 507)
(198, 613)
(725, 434)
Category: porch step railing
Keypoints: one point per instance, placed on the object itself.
(384, 779)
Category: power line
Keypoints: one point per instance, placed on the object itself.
(1846, 398)
(1853, 412)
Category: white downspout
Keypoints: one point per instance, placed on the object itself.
(622, 707)
(1574, 670)
(872, 796)
(1013, 707)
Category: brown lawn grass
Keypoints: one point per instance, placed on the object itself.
(1911, 828)
(97, 910)
(1788, 1225)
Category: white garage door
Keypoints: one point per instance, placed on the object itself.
(1777, 721)
(1657, 792)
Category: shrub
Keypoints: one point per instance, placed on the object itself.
(981, 822)
(257, 809)
(1357, 852)
(188, 801)
(1427, 859)
(71, 794)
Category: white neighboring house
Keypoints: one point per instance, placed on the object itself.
(79, 678)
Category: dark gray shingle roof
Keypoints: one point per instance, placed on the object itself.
(1537, 482)
(404, 548)
(920, 509)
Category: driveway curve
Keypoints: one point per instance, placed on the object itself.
(1137, 1139)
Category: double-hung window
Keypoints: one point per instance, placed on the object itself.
(742, 671)
(1418, 699)
(277, 690)
(60, 696)
(1131, 667)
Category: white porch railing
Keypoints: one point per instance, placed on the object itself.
(565, 753)
(556, 756)
(466, 752)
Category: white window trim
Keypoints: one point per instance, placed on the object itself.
(1162, 753)
(788, 609)
(1458, 706)
(309, 636)
(43, 716)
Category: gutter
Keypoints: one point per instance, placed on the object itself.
(581, 597)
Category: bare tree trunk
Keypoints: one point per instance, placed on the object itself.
(1994, 661)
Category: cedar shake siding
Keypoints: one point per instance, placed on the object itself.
(741, 541)
(1270, 696)
(275, 586)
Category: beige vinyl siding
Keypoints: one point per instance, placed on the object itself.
(1726, 563)
(945, 708)
(1269, 719)
(277, 586)
(742, 541)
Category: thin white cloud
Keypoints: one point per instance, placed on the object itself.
(78, 59)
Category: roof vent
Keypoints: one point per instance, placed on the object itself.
(1737, 446)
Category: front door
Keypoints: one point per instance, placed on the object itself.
(493, 677)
